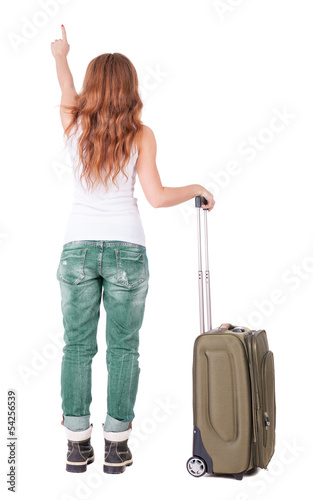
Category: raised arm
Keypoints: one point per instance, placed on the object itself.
(60, 49)
(158, 195)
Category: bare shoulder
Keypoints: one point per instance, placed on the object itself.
(147, 131)
(147, 140)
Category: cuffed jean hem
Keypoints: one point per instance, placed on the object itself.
(77, 423)
(113, 425)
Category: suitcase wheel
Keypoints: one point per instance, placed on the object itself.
(196, 466)
(238, 476)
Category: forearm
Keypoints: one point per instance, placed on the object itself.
(171, 196)
(63, 72)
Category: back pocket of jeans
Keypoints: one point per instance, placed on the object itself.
(130, 267)
(71, 266)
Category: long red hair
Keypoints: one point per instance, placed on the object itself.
(109, 108)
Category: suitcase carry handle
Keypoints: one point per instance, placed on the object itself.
(228, 326)
(200, 200)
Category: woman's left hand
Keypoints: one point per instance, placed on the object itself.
(60, 47)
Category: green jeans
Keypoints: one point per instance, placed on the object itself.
(119, 271)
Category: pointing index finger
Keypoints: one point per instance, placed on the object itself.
(63, 33)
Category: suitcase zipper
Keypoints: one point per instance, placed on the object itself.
(266, 419)
(249, 349)
(258, 408)
(264, 395)
(256, 402)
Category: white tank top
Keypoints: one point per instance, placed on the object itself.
(104, 215)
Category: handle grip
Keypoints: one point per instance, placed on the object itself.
(200, 200)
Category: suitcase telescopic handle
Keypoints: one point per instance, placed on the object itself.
(200, 200)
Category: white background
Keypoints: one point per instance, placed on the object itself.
(213, 76)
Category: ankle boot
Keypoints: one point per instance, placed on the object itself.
(80, 452)
(117, 455)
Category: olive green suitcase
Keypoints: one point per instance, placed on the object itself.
(234, 408)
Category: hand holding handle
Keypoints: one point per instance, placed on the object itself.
(200, 200)
(205, 203)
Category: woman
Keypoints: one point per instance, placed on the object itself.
(104, 247)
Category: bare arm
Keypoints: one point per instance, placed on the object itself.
(63, 72)
(60, 49)
(158, 195)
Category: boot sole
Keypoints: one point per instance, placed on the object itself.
(116, 469)
(79, 466)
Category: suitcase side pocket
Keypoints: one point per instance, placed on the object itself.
(268, 407)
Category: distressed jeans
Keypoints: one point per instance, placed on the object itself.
(119, 272)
